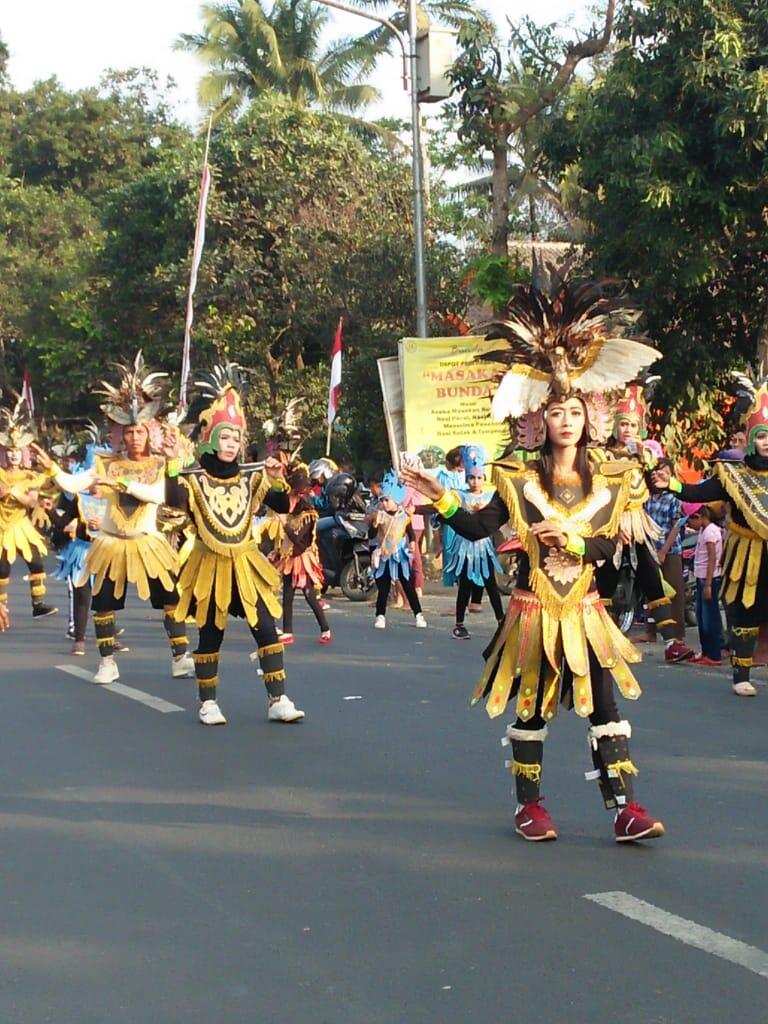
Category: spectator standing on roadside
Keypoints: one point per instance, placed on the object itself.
(666, 509)
(707, 568)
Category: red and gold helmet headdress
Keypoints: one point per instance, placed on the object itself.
(218, 404)
(574, 341)
(754, 387)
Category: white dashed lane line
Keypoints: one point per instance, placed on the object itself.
(149, 699)
(692, 934)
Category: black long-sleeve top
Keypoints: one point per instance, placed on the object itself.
(488, 519)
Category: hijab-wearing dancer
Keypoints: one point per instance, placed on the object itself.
(472, 563)
(19, 490)
(557, 642)
(638, 531)
(226, 573)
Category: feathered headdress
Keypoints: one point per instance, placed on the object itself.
(634, 403)
(218, 404)
(17, 429)
(138, 397)
(574, 341)
(753, 389)
(284, 432)
(392, 487)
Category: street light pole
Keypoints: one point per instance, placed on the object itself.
(422, 329)
(409, 72)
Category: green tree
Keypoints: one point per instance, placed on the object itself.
(306, 223)
(669, 149)
(502, 90)
(255, 50)
(88, 140)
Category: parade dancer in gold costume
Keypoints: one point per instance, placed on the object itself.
(744, 485)
(557, 642)
(19, 490)
(226, 573)
(129, 547)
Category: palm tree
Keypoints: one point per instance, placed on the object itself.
(253, 49)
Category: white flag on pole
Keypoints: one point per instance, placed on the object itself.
(335, 386)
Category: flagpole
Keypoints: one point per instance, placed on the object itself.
(328, 441)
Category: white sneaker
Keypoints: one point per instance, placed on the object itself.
(380, 622)
(421, 622)
(210, 713)
(183, 666)
(284, 710)
(108, 672)
(744, 689)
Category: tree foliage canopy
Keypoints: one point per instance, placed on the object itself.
(670, 150)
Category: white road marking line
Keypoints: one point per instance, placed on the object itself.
(125, 691)
(683, 930)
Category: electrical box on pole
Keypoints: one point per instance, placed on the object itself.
(435, 54)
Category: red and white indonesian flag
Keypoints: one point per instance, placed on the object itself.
(197, 252)
(26, 392)
(335, 387)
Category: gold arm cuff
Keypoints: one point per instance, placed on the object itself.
(447, 504)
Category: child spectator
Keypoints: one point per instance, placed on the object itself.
(707, 561)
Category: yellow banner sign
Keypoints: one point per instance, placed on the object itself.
(447, 394)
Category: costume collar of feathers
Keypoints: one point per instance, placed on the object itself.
(574, 340)
(16, 427)
(139, 395)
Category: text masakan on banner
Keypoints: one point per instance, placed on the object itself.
(447, 393)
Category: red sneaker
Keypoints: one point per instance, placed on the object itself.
(533, 823)
(704, 660)
(678, 651)
(634, 822)
(285, 638)
(325, 638)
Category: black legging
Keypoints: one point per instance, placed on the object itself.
(383, 584)
(310, 597)
(81, 603)
(264, 633)
(466, 592)
(35, 565)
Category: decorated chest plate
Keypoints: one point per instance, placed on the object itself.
(222, 508)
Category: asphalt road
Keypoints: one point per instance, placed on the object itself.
(360, 867)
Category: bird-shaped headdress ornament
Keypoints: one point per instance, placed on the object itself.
(573, 341)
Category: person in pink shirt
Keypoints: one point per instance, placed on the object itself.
(707, 569)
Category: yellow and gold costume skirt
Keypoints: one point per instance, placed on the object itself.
(532, 648)
(20, 537)
(233, 582)
(742, 559)
(135, 560)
